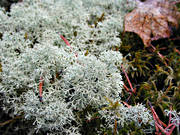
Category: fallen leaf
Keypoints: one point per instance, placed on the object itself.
(152, 20)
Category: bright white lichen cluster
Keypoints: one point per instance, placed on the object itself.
(91, 81)
(175, 117)
(139, 114)
(30, 48)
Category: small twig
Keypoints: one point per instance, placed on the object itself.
(66, 41)
(170, 116)
(40, 89)
(160, 55)
(176, 50)
(171, 130)
(161, 128)
(115, 127)
(159, 124)
(128, 97)
(10, 121)
(68, 44)
(132, 89)
(126, 104)
(127, 89)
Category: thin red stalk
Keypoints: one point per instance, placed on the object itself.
(128, 79)
(163, 58)
(127, 89)
(40, 89)
(162, 123)
(66, 41)
(153, 47)
(163, 48)
(68, 44)
(129, 97)
(157, 129)
(126, 104)
(171, 130)
(172, 124)
(154, 113)
(176, 50)
(160, 55)
(158, 133)
(157, 118)
(130, 92)
(170, 115)
(154, 117)
(159, 123)
(134, 90)
(161, 128)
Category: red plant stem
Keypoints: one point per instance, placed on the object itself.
(176, 50)
(172, 124)
(130, 92)
(157, 118)
(163, 48)
(157, 129)
(161, 128)
(129, 97)
(67, 43)
(127, 89)
(163, 58)
(171, 130)
(126, 104)
(154, 117)
(132, 89)
(160, 55)
(40, 89)
(159, 123)
(170, 115)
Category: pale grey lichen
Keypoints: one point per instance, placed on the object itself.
(88, 81)
(31, 48)
(124, 115)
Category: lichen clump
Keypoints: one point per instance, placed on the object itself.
(73, 77)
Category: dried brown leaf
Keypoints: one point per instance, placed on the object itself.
(152, 20)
